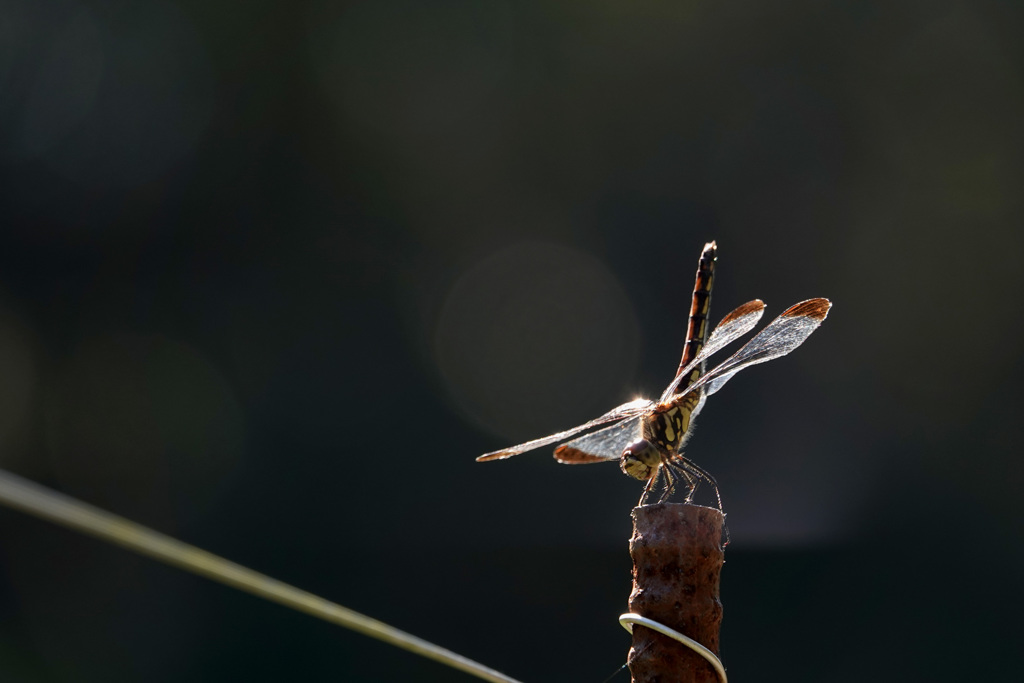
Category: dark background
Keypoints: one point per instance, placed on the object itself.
(272, 274)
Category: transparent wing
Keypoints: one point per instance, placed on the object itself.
(735, 325)
(631, 409)
(781, 336)
(604, 444)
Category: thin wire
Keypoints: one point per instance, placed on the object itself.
(617, 672)
(627, 621)
(22, 494)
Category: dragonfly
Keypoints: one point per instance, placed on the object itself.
(646, 436)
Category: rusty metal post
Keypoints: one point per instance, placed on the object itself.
(677, 560)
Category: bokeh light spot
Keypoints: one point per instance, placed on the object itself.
(154, 100)
(137, 421)
(64, 86)
(537, 337)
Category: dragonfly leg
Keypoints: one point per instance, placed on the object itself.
(693, 474)
(652, 483)
(691, 480)
(670, 481)
(685, 463)
(691, 485)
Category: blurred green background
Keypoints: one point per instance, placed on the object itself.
(273, 273)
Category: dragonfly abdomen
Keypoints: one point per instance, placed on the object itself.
(700, 307)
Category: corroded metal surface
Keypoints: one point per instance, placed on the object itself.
(677, 561)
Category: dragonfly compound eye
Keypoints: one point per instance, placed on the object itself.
(640, 459)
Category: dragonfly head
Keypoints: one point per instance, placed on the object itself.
(640, 460)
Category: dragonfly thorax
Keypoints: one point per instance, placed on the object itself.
(640, 459)
(667, 427)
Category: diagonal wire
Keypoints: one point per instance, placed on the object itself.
(34, 499)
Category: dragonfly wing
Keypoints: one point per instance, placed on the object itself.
(602, 445)
(717, 383)
(735, 325)
(781, 336)
(631, 409)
